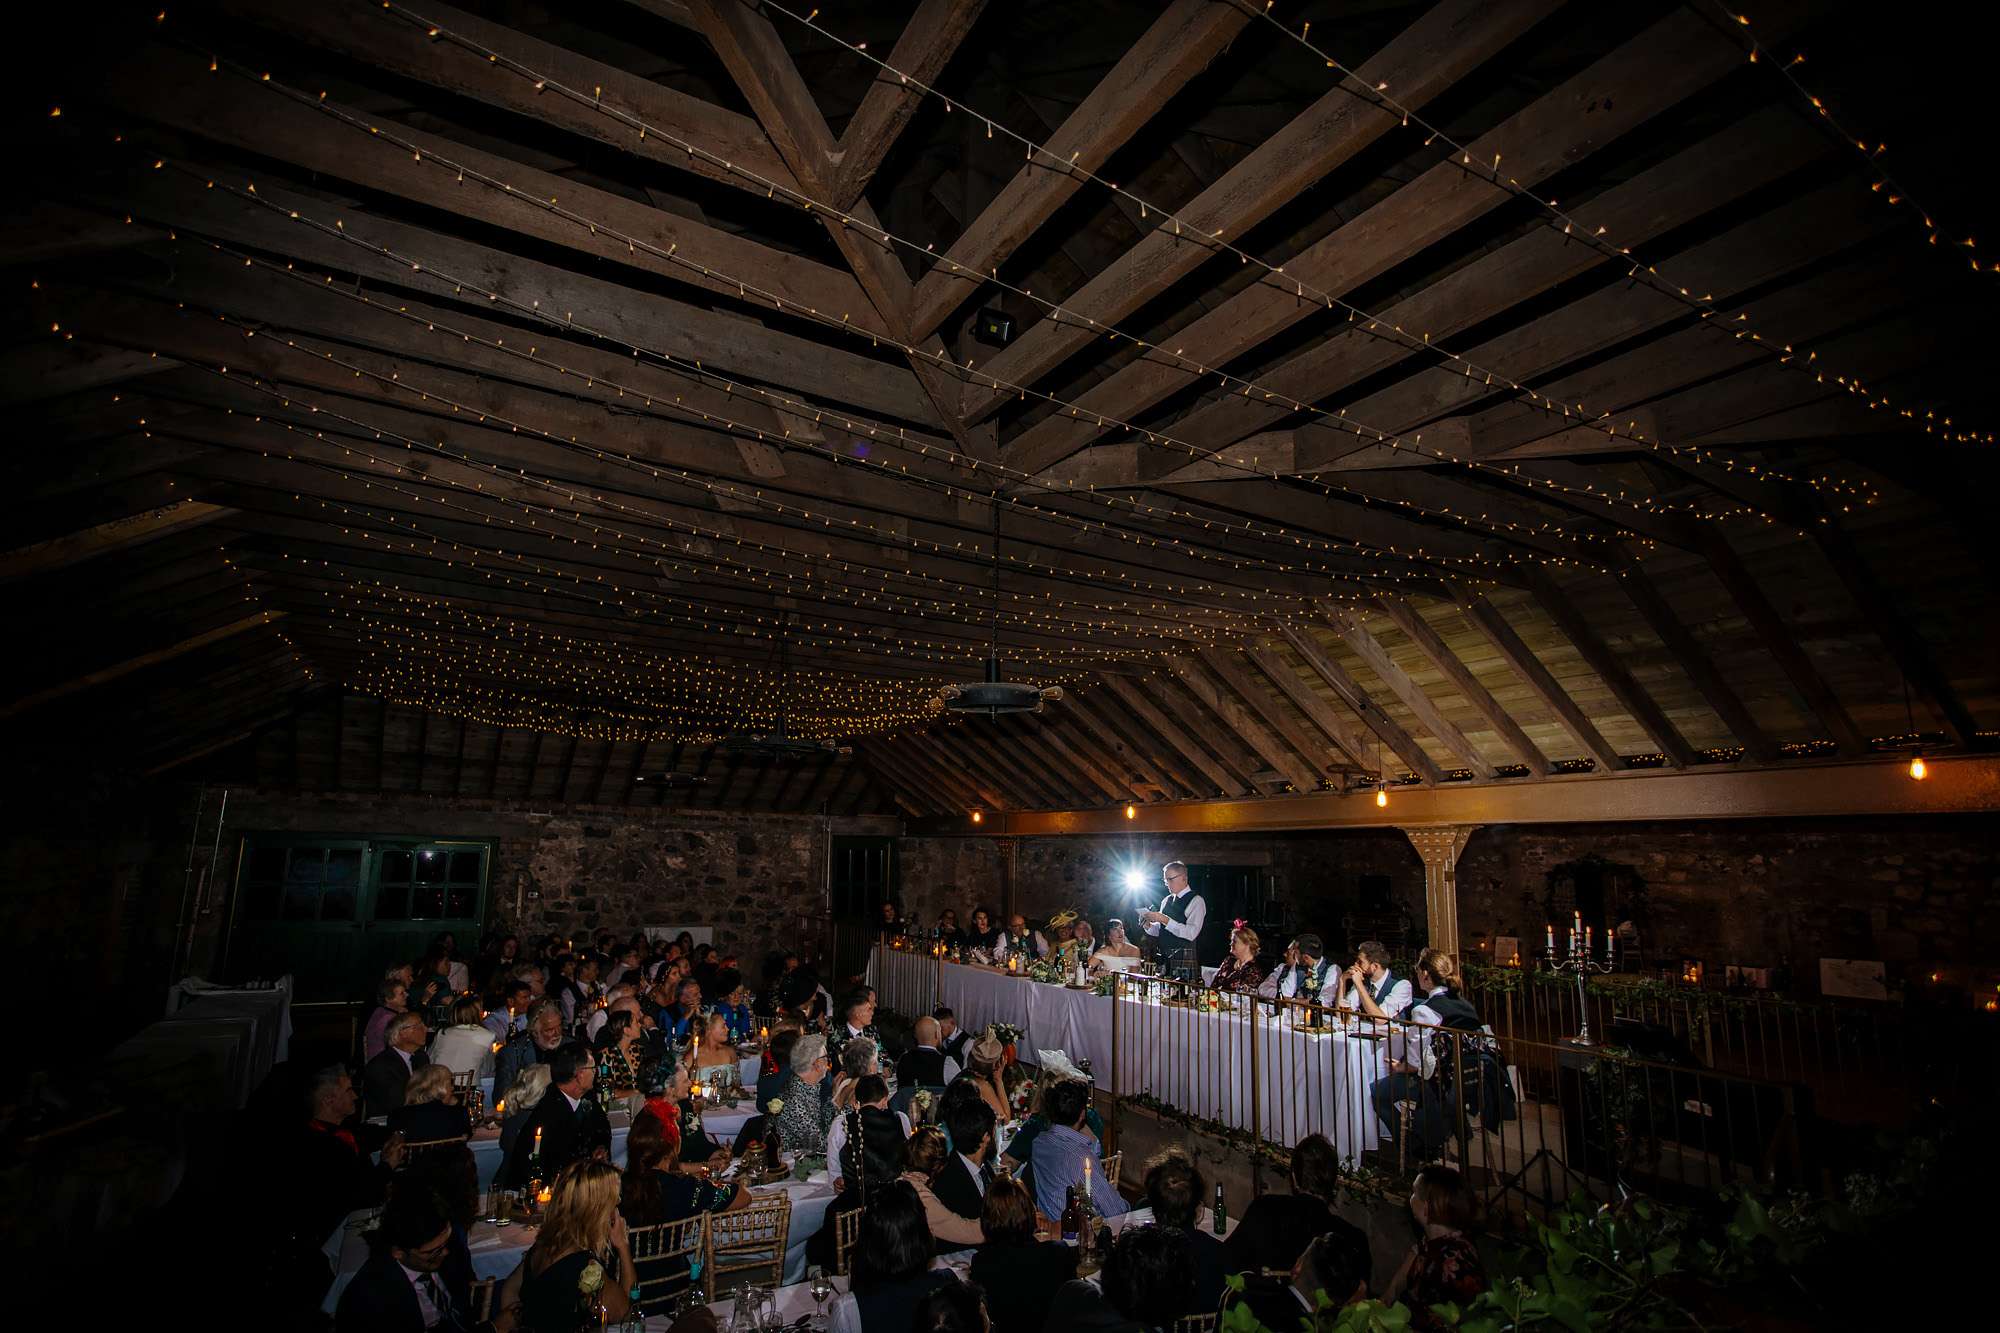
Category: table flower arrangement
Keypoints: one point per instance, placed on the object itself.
(1047, 971)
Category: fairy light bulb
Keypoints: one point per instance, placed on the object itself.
(1382, 795)
(1917, 769)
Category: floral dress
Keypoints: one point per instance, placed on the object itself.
(1239, 977)
(803, 1116)
(1446, 1268)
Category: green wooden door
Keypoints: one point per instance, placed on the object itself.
(336, 911)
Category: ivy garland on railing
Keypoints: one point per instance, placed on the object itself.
(1634, 991)
(1360, 1184)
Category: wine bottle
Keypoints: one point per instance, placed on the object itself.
(1221, 1211)
(1072, 1218)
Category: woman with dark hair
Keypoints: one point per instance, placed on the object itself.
(657, 1189)
(732, 1001)
(892, 1261)
(955, 1307)
(984, 934)
(1020, 1273)
(1275, 1228)
(1444, 1264)
(888, 921)
(621, 1046)
(1147, 1282)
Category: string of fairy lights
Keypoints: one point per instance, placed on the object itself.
(1880, 180)
(748, 290)
(1371, 323)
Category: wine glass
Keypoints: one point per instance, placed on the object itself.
(820, 1288)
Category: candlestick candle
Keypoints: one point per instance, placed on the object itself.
(1551, 929)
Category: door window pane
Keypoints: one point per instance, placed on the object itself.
(431, 867)
(343, 881)
(465, 867)
(427, 902)
(461, 900)
(395, 865)
(308, 864)
(392, 902)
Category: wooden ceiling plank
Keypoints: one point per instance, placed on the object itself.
(1671, 60)
(1365, 646)
(1201, 682)
(1077, 758)
(458, 759)
(423, 745)
(1143, 708)
(1087, 708)
(1695, 661)
(1780, 641)
(113, 672)
(1600, 657)
(177, 90)
(1387, 729)
(1178, 46)
(994, 789)
(1319, 757)
(1082, 747)
(101, 539)
(930, 39)
(1522, 660)
(1090, 785)
(1354, 749)
(916, 803)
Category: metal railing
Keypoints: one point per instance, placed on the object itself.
(1530, 1121)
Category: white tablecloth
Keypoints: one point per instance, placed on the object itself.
(1194, 1061)
(723, 1123)
(487, 1157)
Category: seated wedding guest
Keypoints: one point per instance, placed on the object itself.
(537, 1045)
(982, 1071)
(717, 1050)
(580, 1246)
(1055, 1068)
(858, 1059)
(1118, 954)
(535, 975)
(1022, 940)
(564, 1126)
(778, 970)
(418, 1275)
(1444, 1264)
(466, 1047)
(326, 1175)
(1147, 1282)
(801, 1111)
(621, 1046)
(433, 986)
(680, 1019)
(955, 1307)
(1370, 987)
(496, 961)
(857, 1020)
(510, 1015)
(925, 1155)
(777, 1064)
(1060, 1151)
(1275, 1226)
(983, 934)
(1240, 972)
(1304, 973)
(883, 1131)
(514, 1105)
(733, 1004)
(925, 1065)
(1335, 1262)
(952, 1039)
(1414, 1076)
(430, 1108)
(1085, 936)
(656, 1190)
(1019, 1273)
(948, 933)
(1063, 948)
(962, 1183)
(580, 992)
(449, 1175)
(1174, 1190)
(598, 1017)
(626, 969)
(888, 921)
(391, 998)
(892, 1260)
(671, 1102)
(383, 1078)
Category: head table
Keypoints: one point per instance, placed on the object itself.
(1196, 1061)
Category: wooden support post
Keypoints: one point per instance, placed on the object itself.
(1438, 847)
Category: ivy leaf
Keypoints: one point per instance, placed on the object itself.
(1571, 1314)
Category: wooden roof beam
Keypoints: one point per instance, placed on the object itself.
(930, 39)
(1252, 689)
(1098, 715)
(43, 557)
(1133, 698)
(1199, 681)
(1518, 656)
(1673, 59)
(1349, 691)
(1178, 46)
(1355, 751)
(1365, 646)
(1695, 661)
(1425, 60)
(103, 675)
(1631, 696)
(1077, 753)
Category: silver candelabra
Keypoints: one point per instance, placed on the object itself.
(1581, 964)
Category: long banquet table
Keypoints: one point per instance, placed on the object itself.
(1197, 1062)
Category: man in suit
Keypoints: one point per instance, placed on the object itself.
(1335, 1263)
(952, 1039)
(563, 1124)
(1174, 1187)
(384, 1078)
(857, 1021)
(961, 1185)
(327, 1174)
(925, 1065)
(1304, 975)
(536, 1046)
(1275, 1227)
(418, 1277)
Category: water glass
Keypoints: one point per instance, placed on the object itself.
(820, 1287)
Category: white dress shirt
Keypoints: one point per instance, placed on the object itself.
(1393, 1004)
(1031, 944)
(836, 1139)
(1197, 913)
(425, 1306)
(978, 1180)
(1419, 1039)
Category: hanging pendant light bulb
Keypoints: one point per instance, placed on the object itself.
(1382, 794)
(1917, 769)
(1131, 811)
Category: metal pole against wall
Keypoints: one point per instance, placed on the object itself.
(187, 880)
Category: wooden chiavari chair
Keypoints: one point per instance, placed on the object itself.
(412, 1151)
(750, 1242)
(1114, 1166)
(1195, 1323)
(846, 1231)
(663, 1286)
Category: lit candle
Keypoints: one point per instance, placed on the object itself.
(763, 1033)
(1588, 947)
(496, 1048)
(1550, 928)
(545, 1196)
(538, 1138)
(500, 1107)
